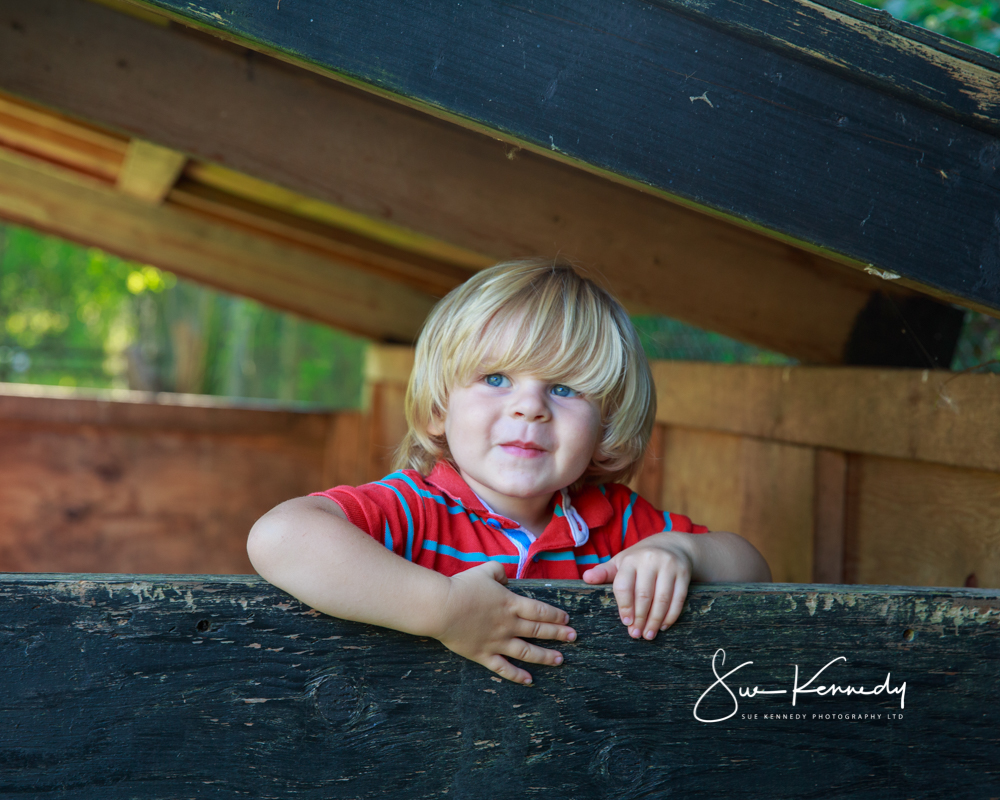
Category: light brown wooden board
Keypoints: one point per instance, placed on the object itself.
(378, 159)
(911, 414)
(760, 490)
(128, 487)
(333, 288)
(923, 524)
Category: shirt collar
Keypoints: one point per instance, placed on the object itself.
(589, 502)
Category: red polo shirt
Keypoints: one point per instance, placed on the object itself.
(440, 523)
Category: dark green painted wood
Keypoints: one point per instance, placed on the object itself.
(175, 687)
(860, 142)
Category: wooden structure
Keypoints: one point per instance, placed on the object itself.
(811, 176)
(837, 475)
(736, 165)
(224, 687)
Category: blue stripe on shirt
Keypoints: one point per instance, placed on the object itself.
(445, 550)
(408, 555)
(628, 515)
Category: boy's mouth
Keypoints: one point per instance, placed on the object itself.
(523, 449)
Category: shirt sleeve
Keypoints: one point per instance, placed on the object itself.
(387, 510)
(642, 519)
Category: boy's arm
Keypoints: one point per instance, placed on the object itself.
(308, 548)
(651, 578)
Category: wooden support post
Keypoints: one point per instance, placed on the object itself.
(137, 685)
(387, 372)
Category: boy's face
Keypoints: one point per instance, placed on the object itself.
(516, 438)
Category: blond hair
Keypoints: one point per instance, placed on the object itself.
(543, 318)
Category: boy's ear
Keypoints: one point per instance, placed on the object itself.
(436, 426)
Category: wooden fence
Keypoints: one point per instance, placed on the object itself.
(838, 475)
(214, 687)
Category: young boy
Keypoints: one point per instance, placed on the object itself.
(530, 396)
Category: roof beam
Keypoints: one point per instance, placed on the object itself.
(324, 140)
(327, 286)
(840, 129)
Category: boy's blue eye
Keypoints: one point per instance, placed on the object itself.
(560, 390)
(497, 380)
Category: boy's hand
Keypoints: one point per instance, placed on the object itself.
(483, 621)
(650, 581)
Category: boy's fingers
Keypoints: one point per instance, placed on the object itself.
(602, 573)
(677, 603)
(537, 611)
(502, 667)
(532, 653)
(624, 586)
(662, 603)
(530, 629)
(645, 589)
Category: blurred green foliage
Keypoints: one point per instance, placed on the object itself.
(76, 316)
(975, 22)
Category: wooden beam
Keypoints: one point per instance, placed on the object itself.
(149, 171)
(927, 416)
(804, 119)
(188, 413)
(331, 290)
(44, 134)
(325, 141)
(178, 684)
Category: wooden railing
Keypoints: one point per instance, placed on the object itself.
(169, 687)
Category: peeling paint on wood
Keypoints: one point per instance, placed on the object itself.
(164, 687)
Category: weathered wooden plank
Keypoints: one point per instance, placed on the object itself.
(144, 686)
(112, 486)
(830, 525)
(333, 288)
(27, 128)
(928, 416)
(723, 115)
(778, 506)
(924, 524)
(381, 161)
(759, 489)
(188, 413)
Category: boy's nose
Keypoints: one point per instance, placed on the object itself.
(529, 403)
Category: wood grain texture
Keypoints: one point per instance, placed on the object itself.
(925, 524)
(921, 415)
(777, 515)
(615, 89)
(102, 486)
(761, 490)
(830, 524)
(336, 290)
(701, 477)
(207, 687)
(381, 161)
